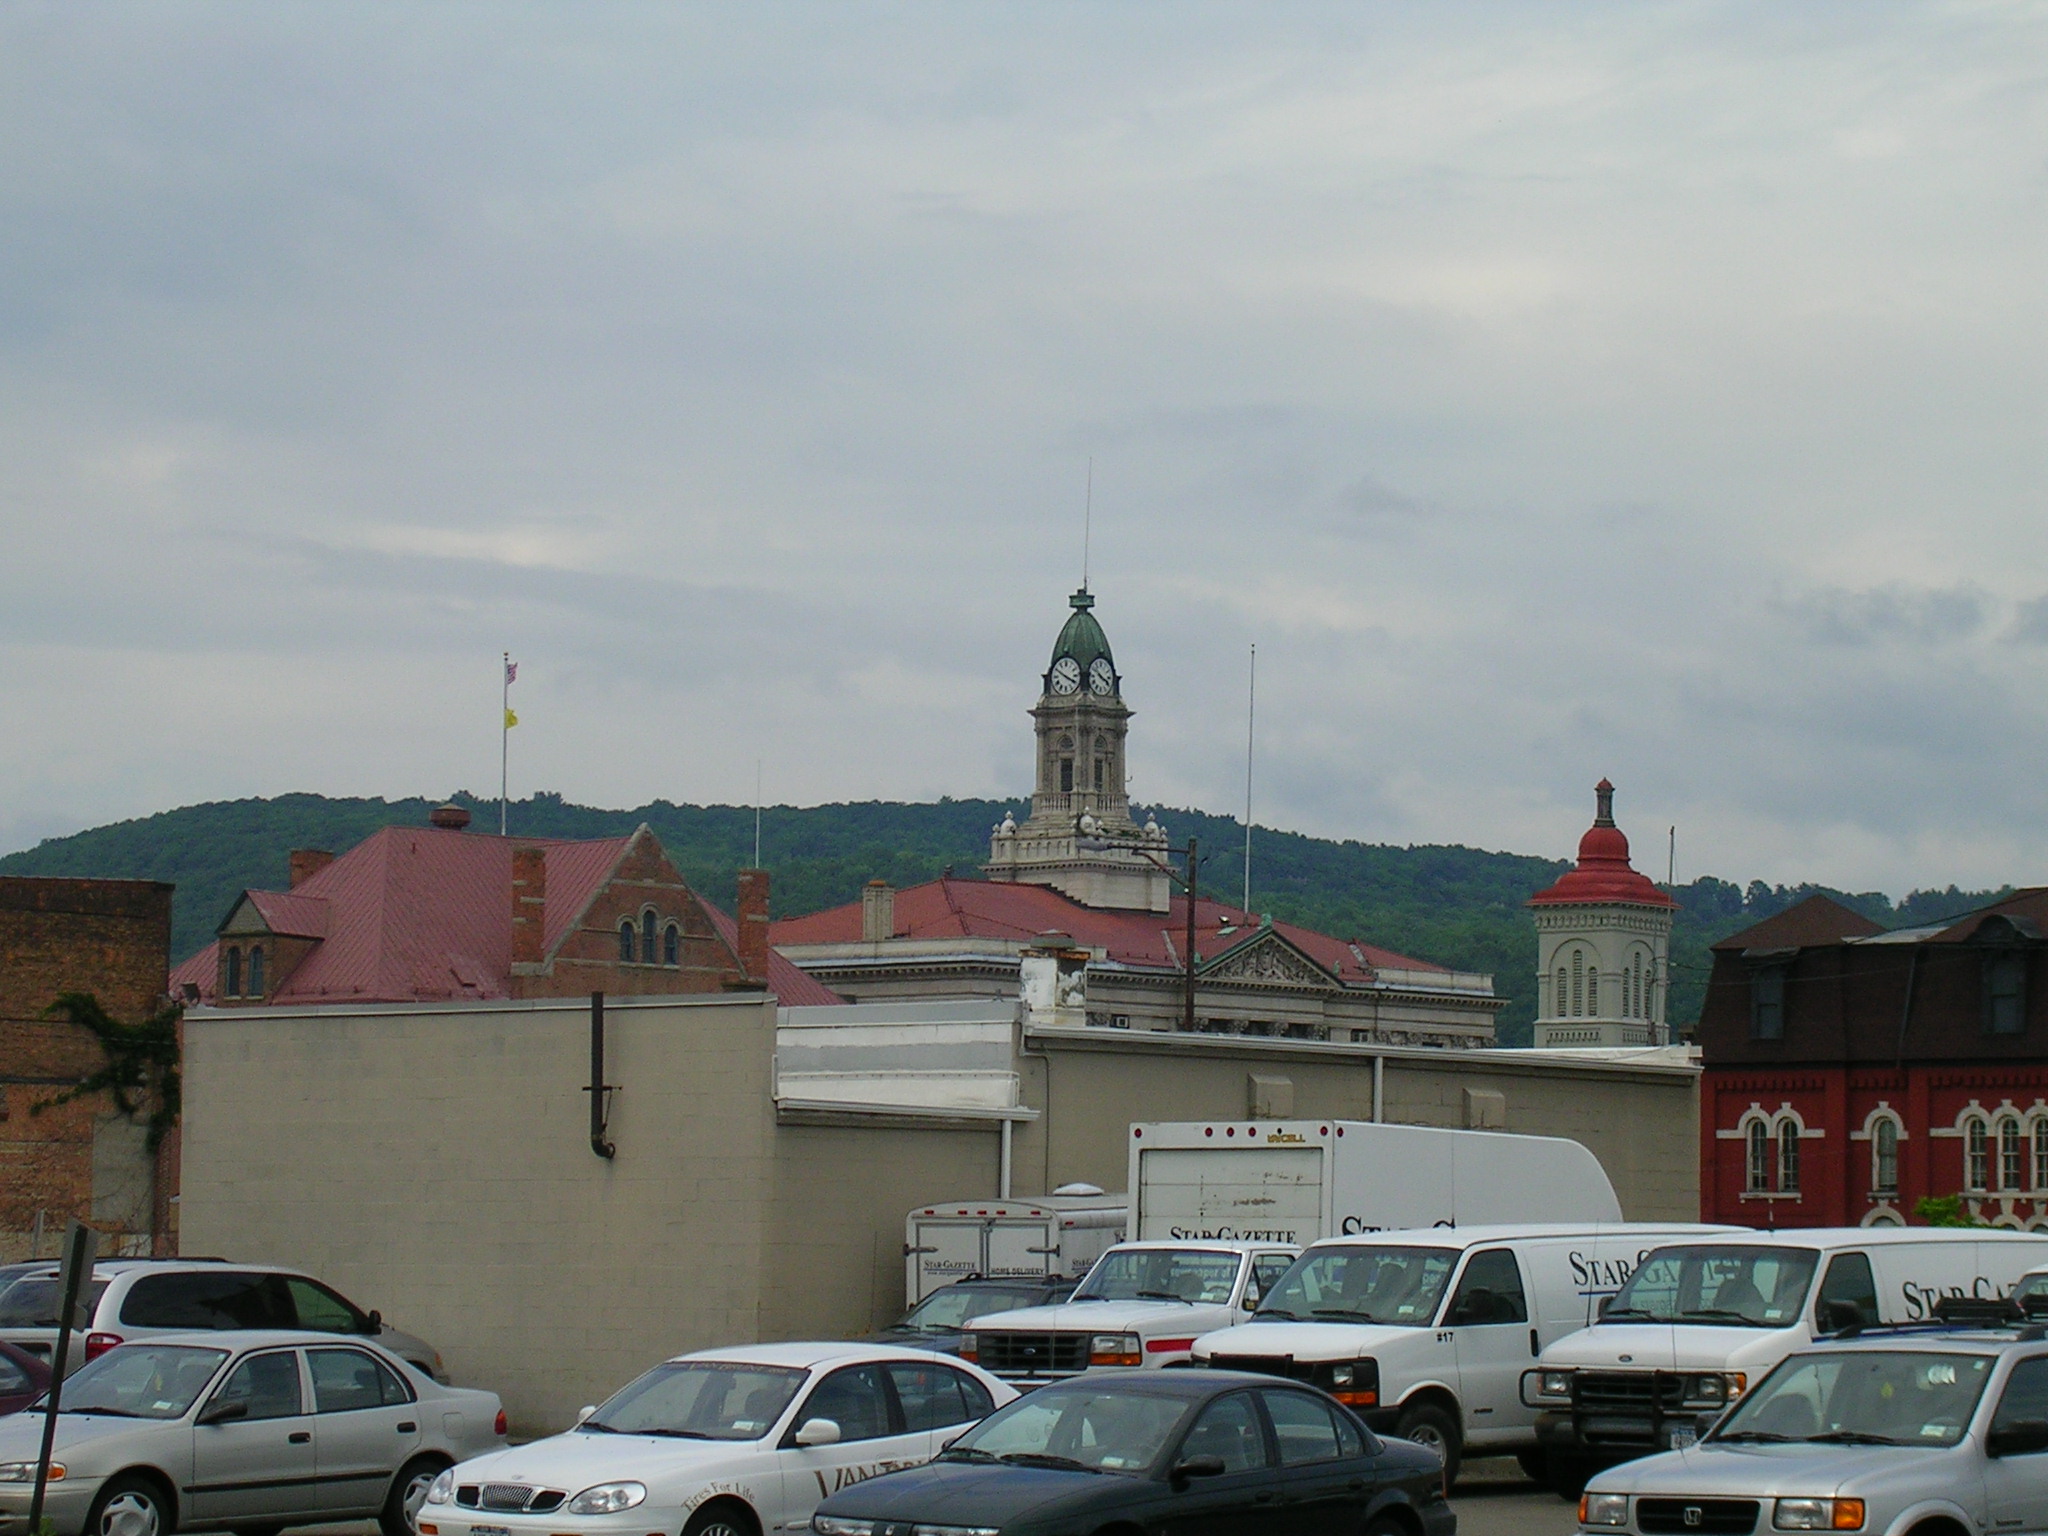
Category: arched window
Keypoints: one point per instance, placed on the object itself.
(234, 984)
(1593, 991)
(1638, 990)
(1578, 982)
(1563, 996)
(256, 970)
(1759, 1157)
(1884, 1157)
(2012, 1163)
(1977, 1155)
(2041, 1153)
(647, 951)
(626, 941)
(671, 942)
(1788, 1158)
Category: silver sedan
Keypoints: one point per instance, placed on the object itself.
(247, 1432)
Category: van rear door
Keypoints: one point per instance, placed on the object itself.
(945, 1250)
(1019, 1248)
(1274, 1194)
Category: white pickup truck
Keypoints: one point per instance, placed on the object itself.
(1142, 1306)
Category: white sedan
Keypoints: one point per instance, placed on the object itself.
(726, 1442)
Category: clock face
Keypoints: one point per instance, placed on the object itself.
(1066, 675)
(1101, 676)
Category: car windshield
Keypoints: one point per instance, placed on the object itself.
(143, 1381)
(1161, 1274)
(1089, 1425)
(699, 1400)
(1862, 1397)
(1364, 1284)
(954, 1305)
(32, 1302)
(1717, 1283)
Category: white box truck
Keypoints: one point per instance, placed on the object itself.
(1294, 1181)
(1057, 1234)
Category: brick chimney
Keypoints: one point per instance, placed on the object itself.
(877, 911)
(529, 904)
(754, 923)
(308, 862)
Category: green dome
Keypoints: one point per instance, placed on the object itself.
(1081, 638)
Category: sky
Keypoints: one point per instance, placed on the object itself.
(1548, 392)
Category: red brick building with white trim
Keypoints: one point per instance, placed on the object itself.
(1850, 1071)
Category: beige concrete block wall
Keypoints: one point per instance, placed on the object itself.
(834, 1266)
(1641, 1125)
(435, 1164)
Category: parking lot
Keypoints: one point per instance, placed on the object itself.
(1493, 1498)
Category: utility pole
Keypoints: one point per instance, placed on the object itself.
(1187, 1022)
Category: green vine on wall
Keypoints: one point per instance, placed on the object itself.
(142, 1068)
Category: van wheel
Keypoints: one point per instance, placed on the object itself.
(1568, 1477)
(1534, 1464)
(724, 1518)
(1427, 1424)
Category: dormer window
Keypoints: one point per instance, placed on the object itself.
(1767, 1003)
(647, 922)
(256, 970)
(671, 944)
(2005, 992)
(626, 932)
(232, 987)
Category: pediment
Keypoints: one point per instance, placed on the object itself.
(1269, 961)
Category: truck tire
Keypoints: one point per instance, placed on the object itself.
(1427, 1424)
(1534, 1464)
(1568, 1477)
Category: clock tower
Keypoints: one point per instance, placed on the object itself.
(1080, 838)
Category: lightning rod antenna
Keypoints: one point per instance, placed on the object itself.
(757, 813)
(1087, 522)
(1251, 706)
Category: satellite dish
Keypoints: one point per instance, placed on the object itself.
(1077, 1189)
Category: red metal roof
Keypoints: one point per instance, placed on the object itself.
(1604, 875)
(423, 914)
(988, 909)
(1818, 920)
(792, 988)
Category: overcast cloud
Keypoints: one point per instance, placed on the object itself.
(1549, 391)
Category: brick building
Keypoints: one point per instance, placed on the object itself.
(1849, 1071)
(111, 938)
(439, 913)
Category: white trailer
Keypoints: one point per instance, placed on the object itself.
(1295, 1181)
(1062, 1234)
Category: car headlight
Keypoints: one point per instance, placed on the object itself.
(1340, 1375)
(442, 1489)
(955, 1530)
(1603, 1509)
(25, 1471)
(1116, 1349)
(1708, 1389)
(839, 1525)
(1554, 1383)
(1818, 1515)
(606, 1499)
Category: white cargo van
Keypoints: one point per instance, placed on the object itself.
(1293, 1181)
(1141, 1307)
(1060, 1234)
(1701, 1321)
(1426, 1333)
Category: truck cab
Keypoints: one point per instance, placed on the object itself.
(1141, 1307)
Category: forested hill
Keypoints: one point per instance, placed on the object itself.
(1460, 907)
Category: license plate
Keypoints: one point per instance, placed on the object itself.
(490, 1530)
(1679, 1440)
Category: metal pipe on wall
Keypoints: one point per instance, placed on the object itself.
(1379, 1088)
(598, 1144)
(1003, 1193)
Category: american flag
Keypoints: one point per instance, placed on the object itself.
(511, 671)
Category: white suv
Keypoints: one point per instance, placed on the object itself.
(140, 1298)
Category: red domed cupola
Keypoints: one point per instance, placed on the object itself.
(1604, 875)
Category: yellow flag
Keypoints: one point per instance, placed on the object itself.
(510, 719)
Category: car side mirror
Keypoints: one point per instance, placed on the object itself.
(1600, 1308)
(818, 1432)
(2024, 1438)
(1840, 1317)
(224, 1409)
(1198, 1466)
(585, 1412)
(374, 1323)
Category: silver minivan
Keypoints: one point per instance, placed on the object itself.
(129, 1299)
(1909, 1429)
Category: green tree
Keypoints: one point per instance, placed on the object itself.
(1946, 1211)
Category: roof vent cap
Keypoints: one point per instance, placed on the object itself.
(451, 816)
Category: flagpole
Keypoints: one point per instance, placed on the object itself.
(504, 738)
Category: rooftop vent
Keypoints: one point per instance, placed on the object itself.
(451, 816)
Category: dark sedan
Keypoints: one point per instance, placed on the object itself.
(939, 1322)
(1173, 1453)
(23, 1378)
